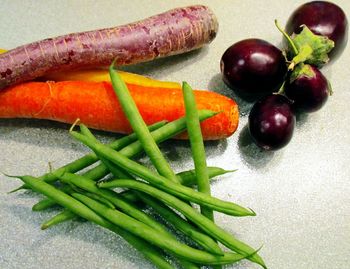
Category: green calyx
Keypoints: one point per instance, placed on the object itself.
(306, 47)
(301, 70)
(312, 49)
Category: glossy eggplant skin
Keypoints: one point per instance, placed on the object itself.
(271, 122)
(253, 66)
(309, 93)
(323, 18)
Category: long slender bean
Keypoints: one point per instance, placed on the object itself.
(197, 145)
(149, 251)
(186, 228)
(149, 234)
(63, 216)
(90, 186)
(139, 126)
(163, 133)
(187, 178)
(166, 185)
(115, 170)
(91, 158)
(112, 201)
(43, 204)
(48, 203)
(99, 198)
(66, 215)
(201, 221)
(99, 195)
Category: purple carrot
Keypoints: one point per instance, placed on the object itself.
(173, 32)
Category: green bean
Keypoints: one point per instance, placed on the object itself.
(67, 201)
(149, 234)
(161, 182)
(139, 126)
(90, 186)
(100, 171)
(67, 215)
(163, 133)
(186, 228)
(90, 158)
(99, 198)
(197, 145)
(187, 178)
(115, 170)
(43, 204)
(201, 221)
(63, 216)
(102, 195)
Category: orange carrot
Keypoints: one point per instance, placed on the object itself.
(97, 107)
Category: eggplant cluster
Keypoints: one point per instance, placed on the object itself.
(287, 81)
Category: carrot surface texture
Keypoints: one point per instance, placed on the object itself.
(173, 32)
(94, 103)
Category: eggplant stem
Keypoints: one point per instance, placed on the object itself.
(290, 41)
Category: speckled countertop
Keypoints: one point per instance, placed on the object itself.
(301, 193)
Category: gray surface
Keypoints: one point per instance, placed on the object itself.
(300, 193)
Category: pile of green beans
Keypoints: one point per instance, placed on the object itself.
(84, 190)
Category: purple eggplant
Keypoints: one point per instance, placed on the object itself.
(271, 122)
(253, 66)
(322, 18)
(308, 88)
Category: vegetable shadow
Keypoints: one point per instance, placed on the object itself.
(244, 102)
(250, 152)
(301, 118)
(178, 152)
(47, 133)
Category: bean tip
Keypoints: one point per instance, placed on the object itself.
(252, 212)
(217, 112)
(11, 176)
(185, 84)
(260, 260)
(16, 189)
(35, 208)
(102, 184)
(74, 124)
(231, 171)
(111, 67)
